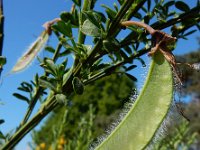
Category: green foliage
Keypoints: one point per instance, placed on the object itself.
(107, 97)
(2, 61)
(178, 137)
(96, 61)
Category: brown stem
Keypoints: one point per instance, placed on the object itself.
(1, 30)
(140, 24)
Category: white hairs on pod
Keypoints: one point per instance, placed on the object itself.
(31, 53)
(127, 106)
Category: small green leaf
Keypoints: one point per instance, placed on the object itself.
(90, 29)
(190, 32)
(50, 66)
(1, 121)
(111, 13)
(66, 16)
(2, 61)
(128, 50)
(131, 67)
(77, 86)
(50, 49)
(149, 5)
(134, 79)
(90, 15)
(182, 6)
(111, 45)
(123, 54)
(77, 2)
(46, 84)
(169, 3)
(2, 136)
(138, 15)
(141, 61)
(64, 28)
(21, 97)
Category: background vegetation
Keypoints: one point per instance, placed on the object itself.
(80, 113)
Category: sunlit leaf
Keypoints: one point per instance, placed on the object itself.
(90, 29)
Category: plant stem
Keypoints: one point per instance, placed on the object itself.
(38, 91)
(81, 35)
(34, 100)
(30, 125)
(1, 26)
(110, 69)
(140, 24)
(1, 30)
(115, 23)
(159, 26)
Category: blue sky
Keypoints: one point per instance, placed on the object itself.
(23, 23)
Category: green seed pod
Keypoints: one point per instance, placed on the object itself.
(78, 86)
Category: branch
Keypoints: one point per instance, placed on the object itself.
(159, 26)
(1, 26)
(1, 30)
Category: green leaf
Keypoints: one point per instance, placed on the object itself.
(128, 50)
(77, 2)
(1, 121)
(111, 45)
(134, 79)
(90, 15)
(169, 3)
(2, 136)
(190, 32)
(2, 61)
(141, 61)
(50, 49)
(149, 5)
(90, 29)
(21, 97)
(64, 28)
(111, 13)
(145, 116)
(138, 15)
(131, 67)
(77, 86)
(64, 53)
(66, 16)
(46, 84)
(50, 66)
(182, 6)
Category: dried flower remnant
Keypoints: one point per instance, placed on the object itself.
(161, 41)
(47, 25)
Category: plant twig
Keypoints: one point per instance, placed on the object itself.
(26, 128)
(1, 26)
(38, 91)
(1, 30)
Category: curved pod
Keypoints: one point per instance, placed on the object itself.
(138, 127)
